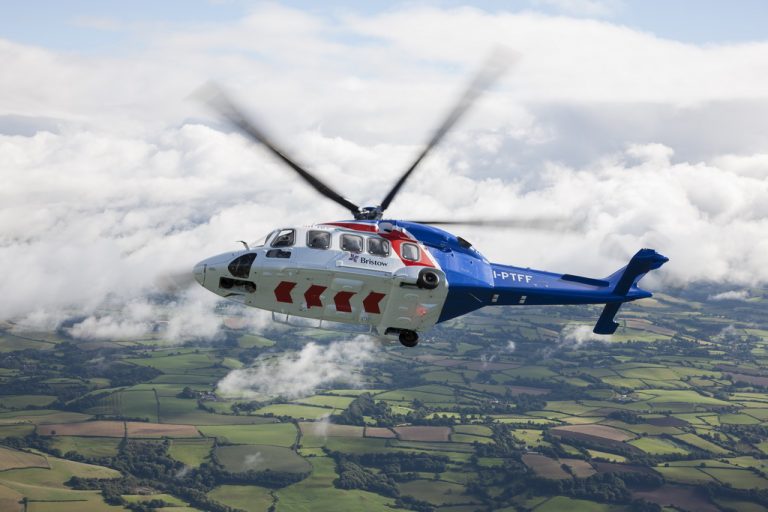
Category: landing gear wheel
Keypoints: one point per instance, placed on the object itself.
(409, 338)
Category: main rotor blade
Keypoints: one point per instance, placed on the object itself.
(221, 103)
(537, 223)
(493, 68)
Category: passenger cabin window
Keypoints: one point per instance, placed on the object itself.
(351, 243)
(318, 239)
(378, 247)
(285, 238)
(410, 252)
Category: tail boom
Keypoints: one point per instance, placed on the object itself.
(518, 286)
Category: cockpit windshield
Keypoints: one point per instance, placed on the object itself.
(264, 239)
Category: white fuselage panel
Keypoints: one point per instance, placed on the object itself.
(332, 284)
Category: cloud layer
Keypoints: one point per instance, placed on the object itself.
(112, 179)
(300, 374)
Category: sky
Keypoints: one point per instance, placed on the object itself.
(647, 122)
(90, 25)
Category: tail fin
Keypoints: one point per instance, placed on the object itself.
(622, 282)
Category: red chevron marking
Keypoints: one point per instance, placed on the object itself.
(341, 300)
(283, 292)
(312, 295)
(371, 302)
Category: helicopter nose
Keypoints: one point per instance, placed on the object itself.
(199, 272)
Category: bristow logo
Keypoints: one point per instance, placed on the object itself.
(356, 258)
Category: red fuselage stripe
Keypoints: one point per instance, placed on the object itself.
(396, 237)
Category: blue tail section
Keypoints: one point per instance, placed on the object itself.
(624, 280)
(641, 263)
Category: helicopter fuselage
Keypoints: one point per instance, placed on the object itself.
(397, 277)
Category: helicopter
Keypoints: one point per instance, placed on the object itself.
(398, 278)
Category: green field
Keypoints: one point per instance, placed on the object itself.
(191, 452)
(79, 501)
(562, 503)
(334, 402)
(11, 459)
(250, 340)
(468, 438)
(657, 445)
(241, 458)
(738, 419)
(278, 434)
(24, 401)
(611, 457)
(685, 475)
(741, 506)
(18, 430)
(348, 444)
(138, 404)
(168, 362)
(318, 493)
(167, 498)
(87, 446)
(436, 492)
(662, 396)
(476, 430)
(306, 412)
(738, 478)
(700, 443)
(43, 484)
(42, 416)
(250, 498)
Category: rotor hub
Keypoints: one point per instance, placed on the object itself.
(369, 213)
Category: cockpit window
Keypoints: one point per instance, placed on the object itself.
(410, 252)
(285, 238)
(351, 243)
(318, 239)
(263, 240)
(241, 266)
(378, 247)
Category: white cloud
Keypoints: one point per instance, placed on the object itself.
(731, 295)
(135, 320)
(644, 141)
(730, 333)
(578, 334)
(192, 319)
(253, 461)
(191, 316)
(300, 374)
